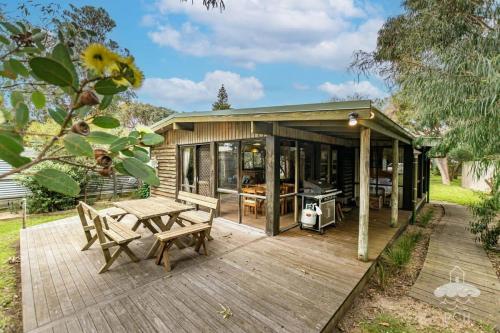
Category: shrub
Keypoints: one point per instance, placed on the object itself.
(41, 200)
(143, 191)
(399, 254)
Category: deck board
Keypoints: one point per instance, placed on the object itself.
(295, 282)
(452, 247)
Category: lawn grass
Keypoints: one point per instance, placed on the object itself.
(9, 237)
(452, 193)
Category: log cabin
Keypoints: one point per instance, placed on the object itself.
(267, 164)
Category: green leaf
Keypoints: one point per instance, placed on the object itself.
(22, 115)
(18, 68)
(127, 152)
(77, 145)
(140, 170)
(83, 111)
(58, 115)
(142, 156)
(38, 99)
(38, 36)
(61, 54)
(119, 167)
(11, 28)
(101, 137)
(106, 122)
(106, 101)
(151, 139)
(16, 97)
(57, 181)
(10, 151)
(4, 40)
(51, 71)
(108, 87)
(119, 144)
(134, 134)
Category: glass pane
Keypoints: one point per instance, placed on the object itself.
(323, 162)
(228, 206)
(253, 154)
(228, 165)
(306, 169)
(253, 183)
(187, 170)
(287, 183)
(334, 168)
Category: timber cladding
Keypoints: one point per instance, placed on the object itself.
(167, 170)
(208, 132)
(166, 154)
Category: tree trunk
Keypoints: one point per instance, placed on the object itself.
(442, 164)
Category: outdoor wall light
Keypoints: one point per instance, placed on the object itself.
(353, 119)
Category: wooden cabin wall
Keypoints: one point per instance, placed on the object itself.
(166, 154)
(214, 131)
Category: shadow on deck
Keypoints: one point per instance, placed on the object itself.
(299, 281)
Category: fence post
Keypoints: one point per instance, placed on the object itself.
(24, 212)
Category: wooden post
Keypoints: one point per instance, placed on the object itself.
(395, 184)
(296, 183)
(213, 169)
(364, 193)
(272, 185)
(415, 188)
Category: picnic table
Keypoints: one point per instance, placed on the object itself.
(149, 212)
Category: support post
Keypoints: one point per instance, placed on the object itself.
(296, 183)
(364, 193)
(415, 188)
(272, 185)
(395, 183)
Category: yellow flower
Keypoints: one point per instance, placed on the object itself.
(126, 73)
(98, 57)
(138, 76)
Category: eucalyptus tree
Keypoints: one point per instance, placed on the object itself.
(443, 57)
(42, 72)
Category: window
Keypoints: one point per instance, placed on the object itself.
(227, 153)
(323, 162)
(187, 170)
(334, 166)
(253, 156)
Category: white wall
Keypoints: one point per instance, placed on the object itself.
(470, 181)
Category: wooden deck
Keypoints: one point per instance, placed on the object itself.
(299, 281)
(452, 248)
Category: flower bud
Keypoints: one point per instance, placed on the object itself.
(88, 98)
(105, 161)
(106, 172)
(81, 128)
(99, 152)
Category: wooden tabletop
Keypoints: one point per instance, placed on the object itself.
(152, 207)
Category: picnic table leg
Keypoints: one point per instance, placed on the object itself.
(173, 219)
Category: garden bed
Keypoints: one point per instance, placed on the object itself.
(385, 304)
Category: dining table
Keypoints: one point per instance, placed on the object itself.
(149, 213)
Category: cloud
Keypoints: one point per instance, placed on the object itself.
(184, 93)
(317, 32)
(350, 88)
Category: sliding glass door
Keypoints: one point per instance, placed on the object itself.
(195, 169)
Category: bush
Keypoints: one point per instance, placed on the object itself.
(42, 200)
(143, 191)
(399, 254)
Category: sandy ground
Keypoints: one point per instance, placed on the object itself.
(393, 299)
